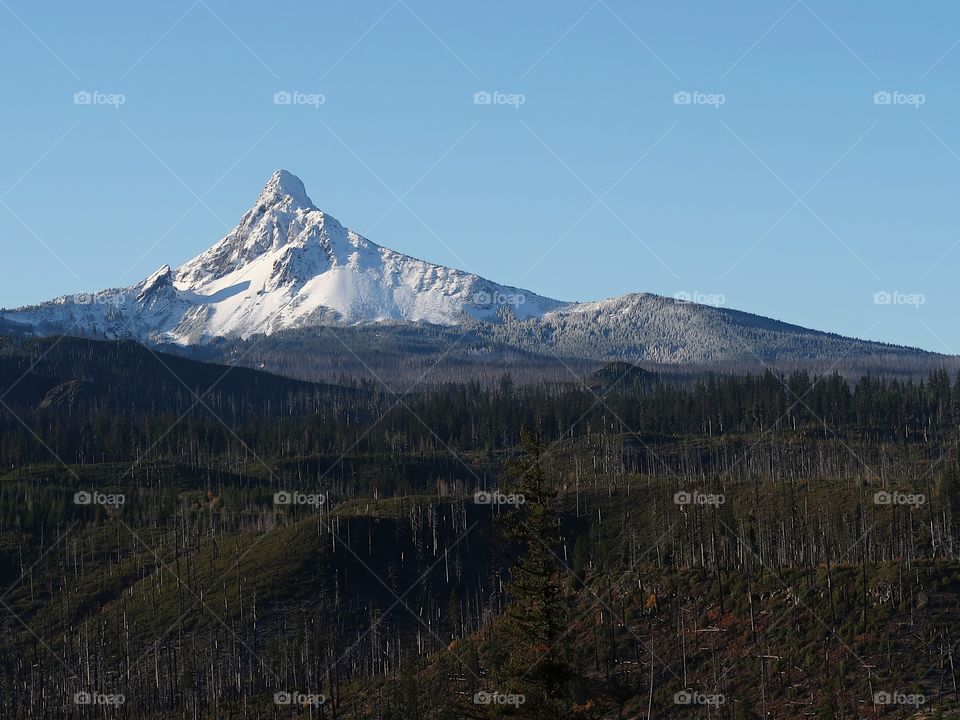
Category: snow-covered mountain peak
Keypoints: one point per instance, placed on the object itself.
(162, 278)
(285, 188)
(289, 265)
(282, 215)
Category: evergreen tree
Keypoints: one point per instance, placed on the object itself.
(537, 624)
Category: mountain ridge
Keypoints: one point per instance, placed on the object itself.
(289, 266)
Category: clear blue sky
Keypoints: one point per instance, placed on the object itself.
(799, 197)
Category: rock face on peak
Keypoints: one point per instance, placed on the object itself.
(284, 186)
(263, 228)
(155, 284)
(288, 266)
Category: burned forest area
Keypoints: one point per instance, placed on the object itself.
(188, 540)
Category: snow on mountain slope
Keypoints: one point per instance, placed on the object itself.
(287, 265)
(653, 328)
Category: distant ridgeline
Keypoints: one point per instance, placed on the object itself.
(109, 401)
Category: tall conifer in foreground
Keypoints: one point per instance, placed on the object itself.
(537, 627)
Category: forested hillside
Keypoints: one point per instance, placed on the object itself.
(202, 540)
